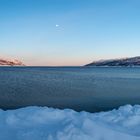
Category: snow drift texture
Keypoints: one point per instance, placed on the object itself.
(37, 123)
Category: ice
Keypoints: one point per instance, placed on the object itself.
(42, 123)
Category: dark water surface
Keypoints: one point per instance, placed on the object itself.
(80, 88)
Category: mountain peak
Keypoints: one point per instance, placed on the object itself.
(10, 62)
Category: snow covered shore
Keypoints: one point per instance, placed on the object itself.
(42, 123)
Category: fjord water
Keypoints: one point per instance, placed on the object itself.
(80, 88)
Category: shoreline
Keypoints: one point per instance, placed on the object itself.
(40, 123)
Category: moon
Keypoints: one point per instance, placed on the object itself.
(56, 25)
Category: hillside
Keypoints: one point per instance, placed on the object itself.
(133, 61)
(14, 62)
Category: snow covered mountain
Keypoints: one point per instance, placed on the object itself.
(14, 62)
(133, 61)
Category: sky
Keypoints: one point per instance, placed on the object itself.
(69, 32)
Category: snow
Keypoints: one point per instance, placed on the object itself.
(42, 123)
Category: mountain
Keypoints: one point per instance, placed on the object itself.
(14, 62)
(133, 61)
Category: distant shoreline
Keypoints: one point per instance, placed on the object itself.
(124, 62)
(71, 66)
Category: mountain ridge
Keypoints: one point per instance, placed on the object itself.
(131, 61)
(10, 62)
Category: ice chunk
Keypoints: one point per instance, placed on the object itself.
(42, 123)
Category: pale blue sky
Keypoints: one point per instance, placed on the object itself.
(88, 30)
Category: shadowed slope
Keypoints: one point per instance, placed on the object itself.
(134, 61)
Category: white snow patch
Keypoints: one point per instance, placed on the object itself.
(42, 123)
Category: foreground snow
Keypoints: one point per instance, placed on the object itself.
(42, 123)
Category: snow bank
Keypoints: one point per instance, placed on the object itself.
(42, 123)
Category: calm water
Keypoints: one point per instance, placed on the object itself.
(79, 88)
